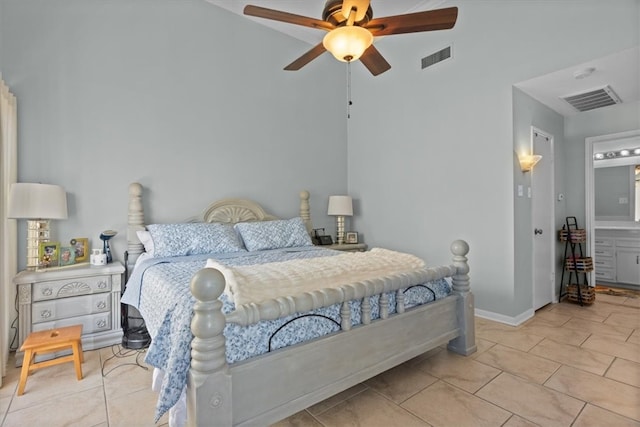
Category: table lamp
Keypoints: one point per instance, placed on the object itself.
(340, 206)
(37, 203)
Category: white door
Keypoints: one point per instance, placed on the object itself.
(543, 214)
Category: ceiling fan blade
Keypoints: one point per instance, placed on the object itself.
(374, 61)
(306, 58)
(430, 20)
(290, 18)
(361, 7)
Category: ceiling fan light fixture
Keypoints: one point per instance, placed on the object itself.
(347, 43)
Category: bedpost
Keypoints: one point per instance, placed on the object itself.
(135, 222)
(209, 382)
(465, 344)
(305, 210)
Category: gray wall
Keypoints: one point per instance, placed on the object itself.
(431, 151)
(604, 121)
(181, 96)
(529, 112)
(192, 102)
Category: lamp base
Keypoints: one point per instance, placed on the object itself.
(340, 229)
(37, 232)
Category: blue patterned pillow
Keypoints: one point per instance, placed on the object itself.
(193, 239)
(281, 233)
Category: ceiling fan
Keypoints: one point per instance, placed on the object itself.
(351, 30)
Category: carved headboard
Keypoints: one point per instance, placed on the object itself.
(224, 210)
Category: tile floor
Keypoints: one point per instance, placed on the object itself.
(568, 366)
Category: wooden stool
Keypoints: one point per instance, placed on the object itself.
(49, 341)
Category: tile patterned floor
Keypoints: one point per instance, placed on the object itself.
(568, 366)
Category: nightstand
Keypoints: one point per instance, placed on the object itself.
(348, 247)
(77, 295)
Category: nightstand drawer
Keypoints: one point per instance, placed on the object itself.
(71, 287)
(90, 324)
(47, 311)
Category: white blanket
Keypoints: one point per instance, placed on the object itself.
(257, 283)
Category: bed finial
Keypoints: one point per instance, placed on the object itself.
(466, 343)
(209, 370)
(135, 222)
(305, 210)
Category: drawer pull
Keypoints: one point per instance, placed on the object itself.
(45, 314)
(47, 292)
(102, 285)
(101, 323)
(101, 305)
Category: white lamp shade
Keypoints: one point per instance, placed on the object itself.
(37, 201)
(347, 43)
(340, 205)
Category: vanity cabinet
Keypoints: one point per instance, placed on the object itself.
(604, 259)
(617, 259)
(76, 295)
(628, 261)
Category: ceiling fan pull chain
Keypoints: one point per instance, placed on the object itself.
(349, 103)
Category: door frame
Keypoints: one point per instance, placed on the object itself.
(551, 225)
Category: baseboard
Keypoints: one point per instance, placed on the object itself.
(509, 320)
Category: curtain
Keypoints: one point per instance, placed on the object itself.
(8, 237)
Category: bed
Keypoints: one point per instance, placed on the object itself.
(379, 323)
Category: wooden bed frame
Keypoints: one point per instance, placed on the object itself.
(273, 386)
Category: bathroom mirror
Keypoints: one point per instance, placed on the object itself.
(608, 149)
(615, 192)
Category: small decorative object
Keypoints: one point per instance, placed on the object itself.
(48, 253)
(352, 237)
(98, 257)
(105, 236)
(81, 246)
(67, 255)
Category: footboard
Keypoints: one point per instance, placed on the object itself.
(270, 387)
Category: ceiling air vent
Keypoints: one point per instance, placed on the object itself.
(434, 58)
(593, 99)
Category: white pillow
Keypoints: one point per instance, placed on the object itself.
(147, 241)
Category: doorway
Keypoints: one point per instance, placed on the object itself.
(543, 220)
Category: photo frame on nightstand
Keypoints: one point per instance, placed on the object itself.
(48, 253)
(351, 237)
(81, 247)
(67, 255)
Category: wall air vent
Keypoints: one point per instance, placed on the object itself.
(593, 99)
(434, 58)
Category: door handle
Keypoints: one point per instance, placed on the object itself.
(537, 231)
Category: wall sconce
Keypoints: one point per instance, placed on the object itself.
(527, 162)
(38, 203)
(340, 206)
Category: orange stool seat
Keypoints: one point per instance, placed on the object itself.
(49, 341)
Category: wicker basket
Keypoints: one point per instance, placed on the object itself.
(578, 235)
(588, 293)
(582, 265)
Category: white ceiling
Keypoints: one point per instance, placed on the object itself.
(620, 70)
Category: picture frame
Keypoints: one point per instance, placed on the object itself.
(48, 253)
(67, 255)
(81, 247)
(351, 237)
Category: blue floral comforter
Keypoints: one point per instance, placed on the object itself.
(159, 289)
